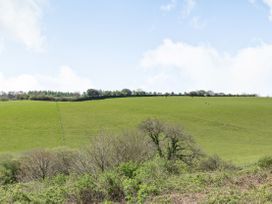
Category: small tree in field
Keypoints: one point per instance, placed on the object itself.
(170, 141)
(154, 129)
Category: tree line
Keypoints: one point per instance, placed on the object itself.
(94, 94)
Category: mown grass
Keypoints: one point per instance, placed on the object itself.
(237, 129)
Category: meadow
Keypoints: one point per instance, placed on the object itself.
(237, 129)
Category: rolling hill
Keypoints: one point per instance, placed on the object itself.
(238, 129)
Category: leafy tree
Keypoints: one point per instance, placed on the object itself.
(126, 92)
(170, 141)
(93, 93)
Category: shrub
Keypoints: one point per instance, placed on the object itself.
(58, 180)
(64, 160)
(99, 154)
(38, 164)
(83, 163)
(213, 163)
(128, 169)
(9, 169)
(265, 162)
(131, 188)
(16, 194)
(176, 167)
(145, 190)
(107, 151)
(85, 190)
(112, 186)
(53, 194)
(131, 146)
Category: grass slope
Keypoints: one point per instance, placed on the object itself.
(238, 129)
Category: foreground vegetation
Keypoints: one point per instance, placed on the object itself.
(158, 163)
(242, 125)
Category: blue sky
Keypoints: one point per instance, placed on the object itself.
(162, 45)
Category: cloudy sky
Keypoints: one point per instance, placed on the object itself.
(162, 45)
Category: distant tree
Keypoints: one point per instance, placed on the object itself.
(93, 93)
(107, 93)
(126, 92)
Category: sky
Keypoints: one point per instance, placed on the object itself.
(162, 45)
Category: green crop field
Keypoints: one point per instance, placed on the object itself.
(238, 129)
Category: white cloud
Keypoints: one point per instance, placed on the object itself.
(269, 4)
(188, 7)
(203, 67)
(170, 6)
(161, 82)
(196, 22)
(20, 20)
(66, 80)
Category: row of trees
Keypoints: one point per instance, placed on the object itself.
(91, 94)
(38, 95)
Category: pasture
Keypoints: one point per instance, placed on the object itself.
(237, 129)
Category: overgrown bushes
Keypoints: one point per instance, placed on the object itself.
(9, 168)
(127, 167)
(213, 163)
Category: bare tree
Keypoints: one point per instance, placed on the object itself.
(37, 164)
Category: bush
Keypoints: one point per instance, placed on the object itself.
(176, 167)
(53, 194)
(131, 146)
(107, 151)
(85, 190)
(141, 181)
(9, 169)
(213, 163)
(64, 160)
(41, 164)
(97, 156)
(128, 169)
(145, 190)
(131, 188)
(38, 164)
(112, 186)
(265, 162)
(16, 194)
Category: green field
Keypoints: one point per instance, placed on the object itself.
(238, 129)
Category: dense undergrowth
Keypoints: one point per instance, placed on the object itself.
(156, 164)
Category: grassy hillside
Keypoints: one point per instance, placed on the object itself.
(238, 129)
